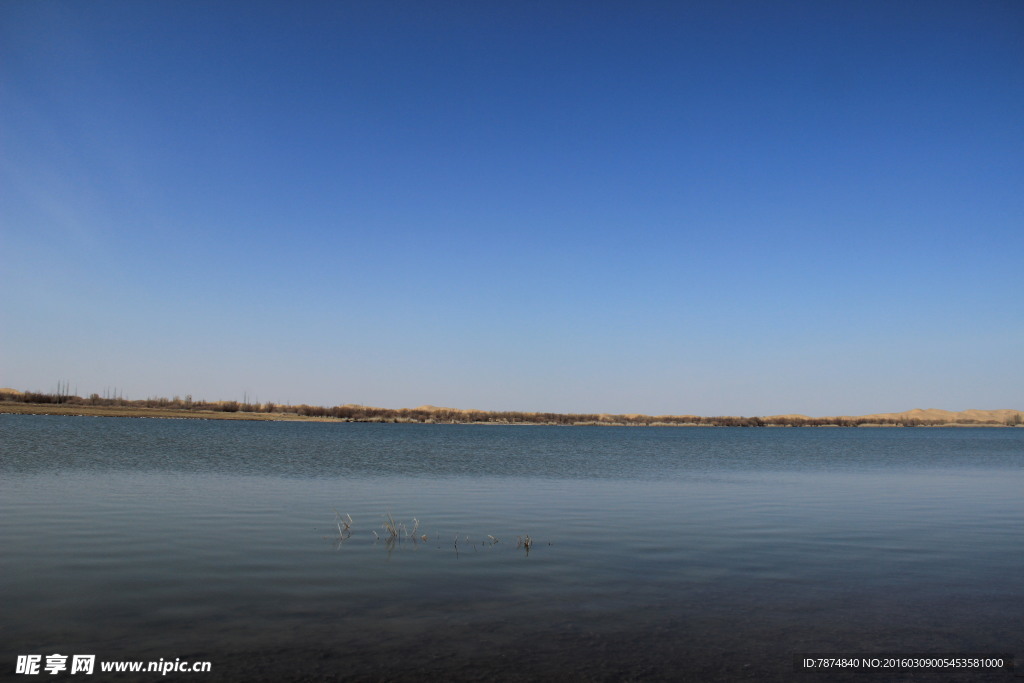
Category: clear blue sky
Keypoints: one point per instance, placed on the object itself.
(716, 208)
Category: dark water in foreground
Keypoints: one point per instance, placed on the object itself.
(658, 554)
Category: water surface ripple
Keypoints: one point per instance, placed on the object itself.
(658, 553)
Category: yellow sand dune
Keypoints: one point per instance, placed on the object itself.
(937, 414)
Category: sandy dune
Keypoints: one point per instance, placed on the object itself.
(1001, 415)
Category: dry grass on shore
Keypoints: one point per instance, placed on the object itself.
(63, 403)
(138, 411)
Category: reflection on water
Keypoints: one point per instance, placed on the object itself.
(702, 554)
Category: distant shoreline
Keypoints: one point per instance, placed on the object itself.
(15, 403)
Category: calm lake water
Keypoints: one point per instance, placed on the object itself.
(658, 553)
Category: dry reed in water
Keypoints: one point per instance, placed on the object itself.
(344, 525)
(395, 532)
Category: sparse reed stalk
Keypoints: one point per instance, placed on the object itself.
(395, 532)
(344, 525)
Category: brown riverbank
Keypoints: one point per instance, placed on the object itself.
(12, 401)
(142, 411)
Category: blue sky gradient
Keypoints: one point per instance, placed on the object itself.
(714, 208)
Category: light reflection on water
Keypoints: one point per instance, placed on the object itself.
(709, 554)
